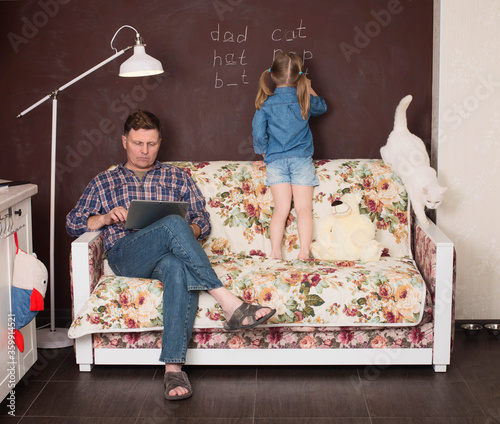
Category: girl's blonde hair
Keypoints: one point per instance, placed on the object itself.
(286, 70)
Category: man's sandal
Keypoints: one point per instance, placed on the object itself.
(248, 311)
(177, 379)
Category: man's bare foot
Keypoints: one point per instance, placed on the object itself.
(178, 391)
(229, 303)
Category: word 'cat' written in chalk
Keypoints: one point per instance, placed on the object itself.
(283, 35)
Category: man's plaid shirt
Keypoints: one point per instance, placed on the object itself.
(119, 186)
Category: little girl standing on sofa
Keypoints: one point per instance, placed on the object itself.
(282, 135)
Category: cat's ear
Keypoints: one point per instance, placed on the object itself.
(425, 190)
(443, 189)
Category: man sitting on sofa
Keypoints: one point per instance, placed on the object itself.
(167, 250)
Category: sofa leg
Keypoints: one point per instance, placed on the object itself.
(86, 367)
(439, 368)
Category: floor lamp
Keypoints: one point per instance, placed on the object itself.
(138, 65)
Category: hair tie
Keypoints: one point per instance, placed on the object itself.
(269, 69)
(300, 73)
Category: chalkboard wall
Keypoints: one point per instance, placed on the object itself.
(362, 56)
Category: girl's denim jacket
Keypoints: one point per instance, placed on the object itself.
(279, 131)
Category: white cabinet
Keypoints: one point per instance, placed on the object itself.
(15, 213)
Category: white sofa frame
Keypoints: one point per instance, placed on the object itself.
(438, 356)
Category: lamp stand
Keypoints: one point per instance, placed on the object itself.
(141, 65)
(53, 338)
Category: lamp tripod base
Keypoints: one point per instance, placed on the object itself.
(53, 339)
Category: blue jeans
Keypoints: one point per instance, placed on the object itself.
(168, 251)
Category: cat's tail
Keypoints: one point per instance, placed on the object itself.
(400, 115)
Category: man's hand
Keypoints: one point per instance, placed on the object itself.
(196, 230)
(118, 214)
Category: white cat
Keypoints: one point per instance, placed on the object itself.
(406, 154)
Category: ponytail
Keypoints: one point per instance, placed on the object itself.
(286, 70)
(264, 91)
(303, 95)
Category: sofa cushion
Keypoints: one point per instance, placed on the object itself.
(315, 293)
(240, 204)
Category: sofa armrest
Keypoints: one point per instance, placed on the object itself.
(86, 270)
(434, 254)
(86, 266)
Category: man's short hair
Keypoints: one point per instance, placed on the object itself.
(142, 120)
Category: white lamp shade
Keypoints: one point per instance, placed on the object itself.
(140, 64)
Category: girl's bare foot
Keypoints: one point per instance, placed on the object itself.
(304, 256)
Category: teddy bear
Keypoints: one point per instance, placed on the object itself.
(346, 234)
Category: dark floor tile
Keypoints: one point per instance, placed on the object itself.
(10, 420)
(478, 364)
(312, 421)
(420, 399)
(293, 392)
(90, 399)
(151, 420)
(49, 360)
(476, 357)
(24, 395)
(408, 373)
(435, 420)
(77, 420)
(487, 395)
(218, 392)
(285, 373)
(69, 371)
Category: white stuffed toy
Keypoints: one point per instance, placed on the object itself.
(29, 283)
(346, 234)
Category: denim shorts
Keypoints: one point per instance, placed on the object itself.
(294, 171)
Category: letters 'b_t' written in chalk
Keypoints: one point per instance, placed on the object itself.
(219, 82)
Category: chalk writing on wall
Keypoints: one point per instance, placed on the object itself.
(280, 35)
(281, 40)
(233, 58)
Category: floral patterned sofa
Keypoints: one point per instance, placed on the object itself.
(398, 310)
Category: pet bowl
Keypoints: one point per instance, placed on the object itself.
(471, 329)
(493, 329)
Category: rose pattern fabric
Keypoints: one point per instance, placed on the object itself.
(420, 337)
(318, 294)
(425, 255)
(130, 304)
(241, 205)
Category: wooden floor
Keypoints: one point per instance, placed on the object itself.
(54, 391)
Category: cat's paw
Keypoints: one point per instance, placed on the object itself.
(424, 222)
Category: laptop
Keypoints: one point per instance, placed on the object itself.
(146, 212)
